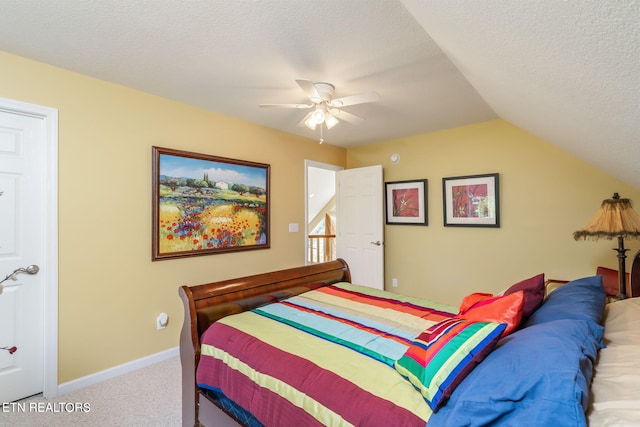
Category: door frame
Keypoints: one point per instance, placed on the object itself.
(49, 239)
(307, 165)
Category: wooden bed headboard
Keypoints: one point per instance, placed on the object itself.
(610, 275)
(204, 304)
(212, 301)
(634, 277)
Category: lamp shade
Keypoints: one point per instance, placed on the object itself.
(318, 115)
(310, 122)
(330, 121)
(615, 218)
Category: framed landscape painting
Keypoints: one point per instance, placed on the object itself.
(206, 204)
(406, 202)
(471, 201)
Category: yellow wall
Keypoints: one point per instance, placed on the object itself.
(545, 195)
(109, 290)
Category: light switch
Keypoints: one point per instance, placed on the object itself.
(293, 228)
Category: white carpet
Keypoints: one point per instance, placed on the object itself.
(150, 396)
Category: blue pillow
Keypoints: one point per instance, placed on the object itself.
(581, 299)
(537, 376)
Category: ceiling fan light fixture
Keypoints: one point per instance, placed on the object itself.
(310, 121)
(330, 120)
(323, 108)
(318, 115)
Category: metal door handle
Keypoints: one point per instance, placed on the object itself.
(32, 269)
(377, 243)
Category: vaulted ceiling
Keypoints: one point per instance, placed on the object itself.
(566, 71)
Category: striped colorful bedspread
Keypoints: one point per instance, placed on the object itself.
(324, 357)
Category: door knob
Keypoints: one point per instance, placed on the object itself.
(32, 269)
(377, 243)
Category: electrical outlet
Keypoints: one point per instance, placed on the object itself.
(162, 320)
(394, 282)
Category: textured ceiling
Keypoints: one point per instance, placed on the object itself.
(566, 71)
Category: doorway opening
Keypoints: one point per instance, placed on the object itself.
(320, 212)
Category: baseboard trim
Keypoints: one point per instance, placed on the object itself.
(116, 371)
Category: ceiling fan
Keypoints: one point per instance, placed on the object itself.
(326, 110)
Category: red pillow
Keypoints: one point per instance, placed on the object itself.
(534, 291)
(502, 309)
(471, 299)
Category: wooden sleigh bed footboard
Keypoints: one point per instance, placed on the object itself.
(204, 304)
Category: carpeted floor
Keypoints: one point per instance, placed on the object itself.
(146, 397)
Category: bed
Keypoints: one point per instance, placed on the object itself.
(304, 346)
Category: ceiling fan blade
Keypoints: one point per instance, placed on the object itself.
(346, 116)
(361, 98)
(299, 106)
(310, 90)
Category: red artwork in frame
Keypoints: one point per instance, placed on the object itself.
(471, 201)
(406, 202)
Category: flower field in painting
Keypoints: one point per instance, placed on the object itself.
(222, 219)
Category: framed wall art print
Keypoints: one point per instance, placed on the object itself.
(471, 201)
(206, 204)
(406, 202)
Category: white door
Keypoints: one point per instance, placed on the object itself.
(359, 224)
(22, 230)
